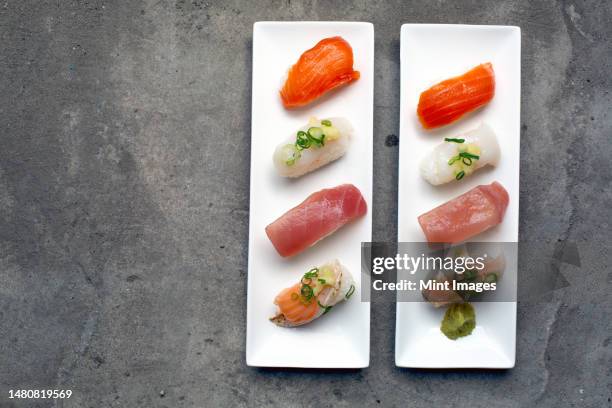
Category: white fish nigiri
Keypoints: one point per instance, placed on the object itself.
(459, 157)
(319, 290)
(313, 146)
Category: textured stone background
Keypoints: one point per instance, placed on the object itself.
(124, 175)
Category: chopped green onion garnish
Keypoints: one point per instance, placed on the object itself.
(469, 275)
(291, 154)
(453, 160)
(350, 292)
(307, 292)
(316, 135)
(303, 140)
(321, 281)
(469, 155)
(313, 273)
(450, 139)
(460, 175)
(491, 277)
(465, 157)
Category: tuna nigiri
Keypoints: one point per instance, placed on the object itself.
(460, 156)
(314, 146)
(318, 291)
(326, 66)
(448, 100)
(318, 216)
(463, 217)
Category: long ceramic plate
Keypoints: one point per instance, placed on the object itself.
(340, 339)
(431, 53)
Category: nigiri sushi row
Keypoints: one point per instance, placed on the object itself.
(478, 209)
(484, 206)
(328, 65)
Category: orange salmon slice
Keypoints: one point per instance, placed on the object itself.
(449, 100)
(293, 308)
(326, 66)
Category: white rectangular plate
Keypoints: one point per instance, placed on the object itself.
(431, 53)
(340, 339)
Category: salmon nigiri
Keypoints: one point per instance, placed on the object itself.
(318, 216)
(463, 217)
(318, 291)
(326, 66)
(447, 101)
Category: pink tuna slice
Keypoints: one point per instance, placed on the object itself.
(318, 216)
(463, 217)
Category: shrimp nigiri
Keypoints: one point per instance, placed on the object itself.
(326, 66)
(448, 100)
(318, 291)
(459, 157)
(317, 144)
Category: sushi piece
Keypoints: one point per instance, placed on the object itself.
(326, 66)
(491, 270)
(318, 216)
(441, 297)
(448, 100)
(459, 157)
(463, 217)
(319, 290)
(314, 146)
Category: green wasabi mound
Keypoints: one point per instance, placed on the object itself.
(459, 321)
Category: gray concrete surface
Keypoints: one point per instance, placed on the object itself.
(124, 162)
